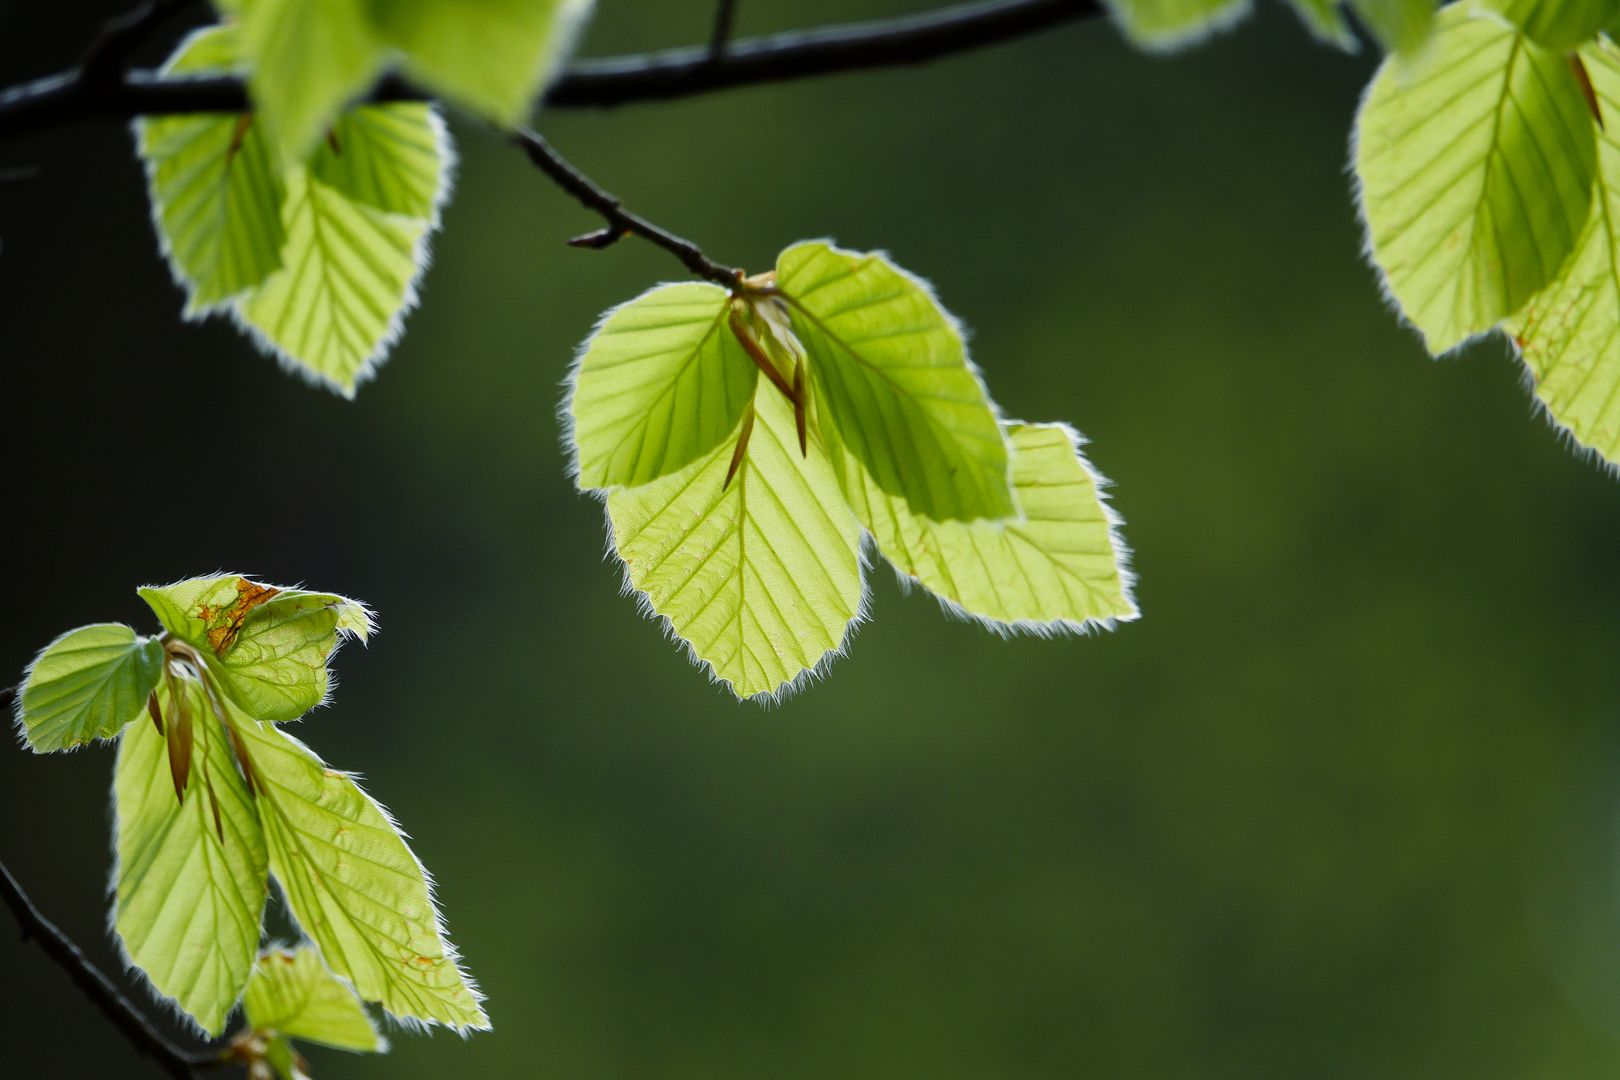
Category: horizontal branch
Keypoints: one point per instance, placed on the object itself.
(660, 76)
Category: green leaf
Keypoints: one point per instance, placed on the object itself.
(1171, 24)
(308, 58)
(1569, 334)
(891, 370)
(86, 685)
(269, 646)
(1557, 24)
(354, 885)
(1476, 173)
(292, 993)
(1326, 22)
(1402, 27)
(761, 578)
(661, 382)
(216, 188)
(190, 885)
(1060, 567)
(492, 56)
(348, 279)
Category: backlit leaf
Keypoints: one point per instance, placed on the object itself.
(891, 370)
(1476, 171)
(1402, 27)
(662, 381)
(308, 59)
(190, 886)
(86, 685)
(1170, 24)
(354, 886)
(761, 578)
(1558, 24)
(293, 993)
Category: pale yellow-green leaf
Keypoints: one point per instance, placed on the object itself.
(762, 579)
(1569, 334)
(492, 56)
(307, 59)
(86, 685)
(292, 992)
(891, 370)
(354, 886)
(1475, 170)
(216, 187)
(1058, 567)
(276, 668)
(188, 903)
(394, 158)
(662, 381)
(1170, 24)
(348, 278)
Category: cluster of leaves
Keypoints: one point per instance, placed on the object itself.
(739, 508)
(213, 798)
(291, 995)
(1489, 184)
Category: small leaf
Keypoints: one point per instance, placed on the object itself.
(87, 685)
(308, 59)
(206, 612)
(216, 187)
(292, 993)
(1569, 334)
(1171, 24)
(354, 885)
(1060, 567)
(1557, 24)
(188, 901)
(492, 56)
(393, 158)
(761, 577)
(276, 670)
(1402, 27)
(891, 370)
(661, 382)
(1475, 174)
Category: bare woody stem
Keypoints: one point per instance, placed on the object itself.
(69, 96)
(119, 1011)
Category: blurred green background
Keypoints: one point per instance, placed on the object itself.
(1345, 803)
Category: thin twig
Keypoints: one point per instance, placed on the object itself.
(619, 221)
(725, 16)
(661, 76)
(109, 52)
(105, 996)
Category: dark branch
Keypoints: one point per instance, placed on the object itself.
(105, 996)
(108, 55)
(662, 76)
(620, 222)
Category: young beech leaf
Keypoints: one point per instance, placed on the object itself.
(292, 993)
(761, 577)
(1402, 27)
(308, 59)
(190, 882)
(492, 56)
(662, 381)
(269, 646)
(1557, 24)
(87, 685)
(1569, 334)
(1475, 171)
(891, 369)
(1170, 24)
(1059, 567)
(345, 230)
(216, 187)
(353, 884)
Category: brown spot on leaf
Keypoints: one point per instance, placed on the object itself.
(223, 626)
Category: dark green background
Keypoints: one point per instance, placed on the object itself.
(1343, 804)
